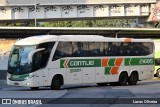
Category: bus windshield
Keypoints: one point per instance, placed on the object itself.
(18, 61)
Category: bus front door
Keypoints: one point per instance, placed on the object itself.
(38, 78)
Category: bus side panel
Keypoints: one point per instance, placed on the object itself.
(89, 75)
(112, 73)
(74, 75)
(147, 72)
(39, 78)
(100, 75)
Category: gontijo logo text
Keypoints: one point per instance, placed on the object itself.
(105, 62)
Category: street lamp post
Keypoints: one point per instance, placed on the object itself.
(35, 6)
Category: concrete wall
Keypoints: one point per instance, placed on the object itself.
(6, 44)
(3, 2)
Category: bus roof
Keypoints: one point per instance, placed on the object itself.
(90, 38)
(36, 40)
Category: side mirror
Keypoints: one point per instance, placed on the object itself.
(30, 55)
(5, 53)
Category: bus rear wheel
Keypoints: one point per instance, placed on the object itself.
(133, 78)
(56, 83)
(158, 73)
(123, 79)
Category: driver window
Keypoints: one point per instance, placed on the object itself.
(41, 58)
(37, 62)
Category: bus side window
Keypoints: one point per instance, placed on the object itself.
(111, 50)
(95, 49)
(77, 47)
(58, 54)
(125, 49)
(37, 62)
(147, 47)
(80, 49)
(64, 49)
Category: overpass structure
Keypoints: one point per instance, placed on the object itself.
(50, 10)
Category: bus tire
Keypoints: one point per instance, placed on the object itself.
(102, 84)
(158, 73)
(56, 83)
(133, 78)
(34, 88)
(123, 79)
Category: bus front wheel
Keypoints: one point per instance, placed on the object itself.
(158, 73)
(56, 83)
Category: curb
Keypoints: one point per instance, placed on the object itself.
(155, 78)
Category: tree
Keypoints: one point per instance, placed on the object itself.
(78, 23)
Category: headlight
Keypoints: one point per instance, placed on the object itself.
(26, 78)
(29, 76)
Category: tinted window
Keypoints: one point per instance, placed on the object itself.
(41, 58)
(80, 49)
(127, 49)
(96, 49)
(64, 49)
(91, 49)
(157, 61)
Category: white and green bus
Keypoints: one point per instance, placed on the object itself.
(157, 57)
(79, 59)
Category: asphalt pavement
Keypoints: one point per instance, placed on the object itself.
(86, 95)
(3, 67)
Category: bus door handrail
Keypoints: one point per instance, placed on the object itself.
(30, 55)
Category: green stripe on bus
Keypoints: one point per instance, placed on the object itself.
(139, 61)
(62, 63)
(107, 70)
(126, 62)
(72, 63)
(111, 62)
